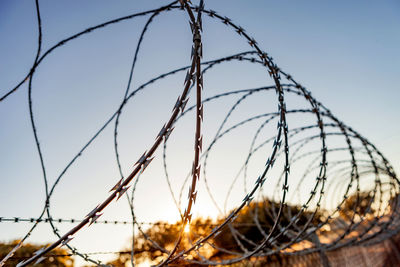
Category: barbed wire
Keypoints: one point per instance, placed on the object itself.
(109, 222)
(292, 231)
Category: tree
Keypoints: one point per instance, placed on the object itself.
(362, 206)
(57, 258)
(249, 234)
(245, 228)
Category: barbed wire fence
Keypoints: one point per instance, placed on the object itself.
(352, 161)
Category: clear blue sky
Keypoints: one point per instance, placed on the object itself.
(346, 53)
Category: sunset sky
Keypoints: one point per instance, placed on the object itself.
(346, 53)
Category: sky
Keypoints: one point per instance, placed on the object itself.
(345, 53)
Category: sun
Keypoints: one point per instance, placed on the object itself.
(187, 228)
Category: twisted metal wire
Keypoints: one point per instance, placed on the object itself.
(369, 226)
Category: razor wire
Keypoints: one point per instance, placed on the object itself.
(370, 226)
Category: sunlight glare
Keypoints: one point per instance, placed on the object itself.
(187, 228)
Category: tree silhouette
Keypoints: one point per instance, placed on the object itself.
(58, 258)
(243, 230)
(249, 234)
